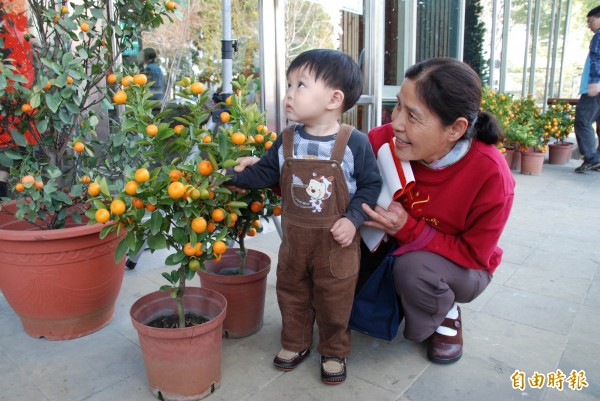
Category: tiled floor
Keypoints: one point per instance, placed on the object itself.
(540, 314)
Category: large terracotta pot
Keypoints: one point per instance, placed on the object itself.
(560, 153)
(62, 283)
(182, 364)
(245, 293)
(532, 162)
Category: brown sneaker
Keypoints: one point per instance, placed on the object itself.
(289, 360)
(333, 369)
(446, 349)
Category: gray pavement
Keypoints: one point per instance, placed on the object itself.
(539, 315)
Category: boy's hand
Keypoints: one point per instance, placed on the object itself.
(592, 89)
(244, 162)
(343, 231)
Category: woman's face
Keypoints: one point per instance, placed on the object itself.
(420, 135)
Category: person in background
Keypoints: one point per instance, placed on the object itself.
(325, 172)
(448, 225)
(587, 110)
(154, 74)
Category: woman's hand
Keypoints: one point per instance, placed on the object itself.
(390, 220)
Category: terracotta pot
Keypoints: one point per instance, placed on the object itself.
(560, 153)
(62, 283)
(508, 156)
(182, 364)
(532, 163)
(516, 161)
(245, 293)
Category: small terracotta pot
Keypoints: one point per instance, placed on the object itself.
(62, 283)
(516, 161)
(532, 162)
(508, 156)
(182, 364)
(560, 153)
(245, 293)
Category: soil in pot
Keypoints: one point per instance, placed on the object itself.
(172, 321)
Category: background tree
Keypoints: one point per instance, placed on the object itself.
(474, 39)
(307, 26)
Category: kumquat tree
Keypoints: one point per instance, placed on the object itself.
(176, 197)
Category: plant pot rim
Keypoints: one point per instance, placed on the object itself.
(555, 144)
(147, 301)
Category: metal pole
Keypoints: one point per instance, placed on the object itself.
(493, 45)
(504, 58)
(562, 58)
(110, 13)
(536, 29)
(526, 55)
(548, 80)
(227, 48)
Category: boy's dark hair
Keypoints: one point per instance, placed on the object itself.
(149, 54)
(336, 69)
(594, 12)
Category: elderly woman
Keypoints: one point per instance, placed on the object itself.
(449, 224)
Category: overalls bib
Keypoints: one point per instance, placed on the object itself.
(316, 277)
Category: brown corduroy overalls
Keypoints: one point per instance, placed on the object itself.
(316, 277)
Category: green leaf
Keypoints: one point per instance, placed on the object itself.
(156, 223)
(168, 277)
(18, 138)
(179, 235)
(72, 107)
(64, 116)
(129, 125)
(105, 231)
(53, 101)
(53, 172)
(121, 250)
(42, 125)
(11, 154)
(35, 101)
(76, 216)
(106, 104)
(5, 161)
(76, 190)
(83, 54)
(62, 197)
(157, 241)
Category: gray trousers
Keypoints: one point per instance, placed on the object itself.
(586, 112)
(428, 285)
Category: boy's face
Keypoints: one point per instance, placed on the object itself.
(306, 99)
(593, 23)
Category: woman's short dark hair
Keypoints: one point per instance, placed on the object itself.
(335, 68)
(451, 89)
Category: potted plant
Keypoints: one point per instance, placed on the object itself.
(174, 198)
(52, 100)
(558, 123)
(533, 146)
(241, 276)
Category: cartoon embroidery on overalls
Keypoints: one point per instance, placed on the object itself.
(318, 190)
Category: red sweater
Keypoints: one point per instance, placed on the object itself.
(458, 212)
